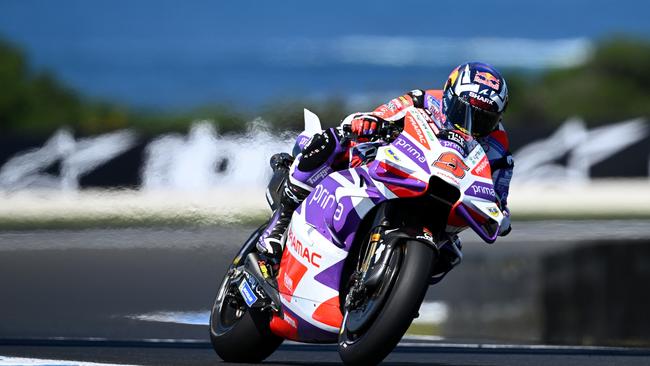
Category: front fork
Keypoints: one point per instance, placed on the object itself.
(383, 239)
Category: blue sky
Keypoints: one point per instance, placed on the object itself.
(162, 52)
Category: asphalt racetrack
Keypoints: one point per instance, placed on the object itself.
(104, 295)
(141, 353)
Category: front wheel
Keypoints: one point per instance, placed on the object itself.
(239, 333)
(402, 291)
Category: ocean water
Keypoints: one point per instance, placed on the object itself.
(169, 54)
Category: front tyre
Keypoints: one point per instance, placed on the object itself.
(371, 344)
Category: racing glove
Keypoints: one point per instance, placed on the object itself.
(505, 228)
(362, 124)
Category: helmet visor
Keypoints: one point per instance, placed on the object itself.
(476, 121)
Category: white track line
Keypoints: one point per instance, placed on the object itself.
(21, 361)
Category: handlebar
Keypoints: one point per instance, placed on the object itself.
(385, 129)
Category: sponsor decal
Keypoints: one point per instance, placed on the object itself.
(482, 169)
(430, 101)
(429, 131)
(391, 106)
(265, 271)
(247, 293)
(455, 137)
(291, 321)
(322, 197)
(391, 154)
(411, 150)
(480, 98)
(427, 124)
(482, 190)
(383, 110)
(319, 175)
(452, 163)
(312, 257)
(260, 292)
(444, 174)
(412, 128)
(379, 251)
(433, 106)
(426, 235)
(493, 211)
(487, 79)
(302, 142)
(308, 142)
(288, 282)
(452, 145)
(475, 156)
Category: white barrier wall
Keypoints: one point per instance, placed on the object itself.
(203, 159)
(207, 177)
(598, 199)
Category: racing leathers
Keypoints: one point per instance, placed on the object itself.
(328, 151)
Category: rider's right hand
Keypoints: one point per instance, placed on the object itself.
(366, 125)
(363, 124)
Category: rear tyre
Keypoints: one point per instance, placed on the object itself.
(238, 333)
(373, 343)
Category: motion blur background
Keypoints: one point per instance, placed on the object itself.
(135, 137)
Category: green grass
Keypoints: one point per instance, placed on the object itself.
(582, 216)
(424, 329)
(199, 220)
(118, 221)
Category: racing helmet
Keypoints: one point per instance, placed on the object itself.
(474, 98)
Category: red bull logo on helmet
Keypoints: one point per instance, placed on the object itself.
(487, 79)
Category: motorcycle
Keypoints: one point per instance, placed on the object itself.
(360, 249)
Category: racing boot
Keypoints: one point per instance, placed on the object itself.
(270, 242)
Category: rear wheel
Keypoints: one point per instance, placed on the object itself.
(239, 333)
(373, 327)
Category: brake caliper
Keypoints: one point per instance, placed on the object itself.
(357, 292)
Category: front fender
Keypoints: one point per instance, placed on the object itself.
(388, 244)
(409, 233)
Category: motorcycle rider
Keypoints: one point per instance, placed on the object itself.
(473, 99)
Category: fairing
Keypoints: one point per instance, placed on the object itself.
(324, 226)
